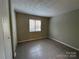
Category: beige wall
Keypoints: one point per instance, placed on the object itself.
(65, 28)
(23, 33)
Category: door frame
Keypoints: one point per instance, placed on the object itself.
(11, 29)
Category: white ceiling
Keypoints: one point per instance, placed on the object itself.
(45, 7)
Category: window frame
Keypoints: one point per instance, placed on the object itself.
(35, 25)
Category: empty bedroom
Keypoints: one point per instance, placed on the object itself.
(45, 29)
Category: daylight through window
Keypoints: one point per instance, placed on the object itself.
(34, 25)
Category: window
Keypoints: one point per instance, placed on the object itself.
(34, 25)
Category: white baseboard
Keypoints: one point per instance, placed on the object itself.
(65, 44)
(30, 39)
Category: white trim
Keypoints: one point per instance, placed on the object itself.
(31, 39)
(14, 54)
(65, 44)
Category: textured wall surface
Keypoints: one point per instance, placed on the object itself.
(23, 33)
